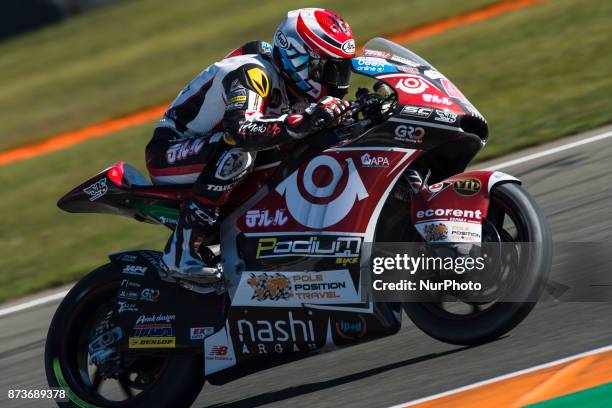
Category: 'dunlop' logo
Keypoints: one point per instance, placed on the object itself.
(322, 214)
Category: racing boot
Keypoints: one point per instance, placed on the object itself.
(181, 257)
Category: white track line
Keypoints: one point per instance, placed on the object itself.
(550, 151)
(33, 303)
(504, 377)
(59, 295)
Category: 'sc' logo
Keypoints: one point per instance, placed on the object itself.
(259, 81)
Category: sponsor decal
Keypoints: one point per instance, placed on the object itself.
(152, 342)
(126, 283)
(347, 261)
(445, 116)
(236, 89)
(314, 246)
(128, 258)
(317, 214)
(200, 333)
(473, 111)
(281, 40)
(376, 53)
(96, 190)
(450, 231)
(440, 100)
(417, 111)
(412, 84)
(436, 232)
(351, 329)
(408, 70)
(259, 81)
(134, 270)
(220, 188)
(126, 307)
(403, 60)
(279, 335)
(450, 213)
(265, 218)
(218, 353)
(437, 187)
(295, 119)
(152, 330)
(156, 318)
(273, 287)
(304, 286)
(153, 260)
(237, 99)
(452, 90)
(433, 74)
(372, 65)
(348, 46)
(368, 160)
(295, 288)
(150, 295)
(467, 187)
(183, 150)
(168, 220)
(128, 294)
(406, 133)
(260, 128)
(234, 106)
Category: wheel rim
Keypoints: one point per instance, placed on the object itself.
(505, 224)
(130, 385)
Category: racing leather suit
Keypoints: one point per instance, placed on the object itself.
(209, 137)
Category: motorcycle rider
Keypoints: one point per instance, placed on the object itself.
(256, 98)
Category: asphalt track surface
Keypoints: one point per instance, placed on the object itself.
(573, 187)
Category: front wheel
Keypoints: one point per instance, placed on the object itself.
(156, 380)
(513, 216)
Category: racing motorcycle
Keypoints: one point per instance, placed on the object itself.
(292, 245)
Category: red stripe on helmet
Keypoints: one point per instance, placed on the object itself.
(316, 43)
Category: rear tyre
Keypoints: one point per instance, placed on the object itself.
(509, 202)
(159, 380)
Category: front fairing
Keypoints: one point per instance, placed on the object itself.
(429, 109)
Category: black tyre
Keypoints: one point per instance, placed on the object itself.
(510, 204)
(153, 380)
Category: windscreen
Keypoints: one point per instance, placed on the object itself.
(381, 48)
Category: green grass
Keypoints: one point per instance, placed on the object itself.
(42, 246)
(137, 54)
(536, 74)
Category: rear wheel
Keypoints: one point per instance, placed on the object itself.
(513, 217)
(160, 380)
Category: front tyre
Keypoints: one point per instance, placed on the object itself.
(516, 217)
(159, 380)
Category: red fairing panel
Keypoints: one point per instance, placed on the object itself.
(453, 210)
(416, 90)
(338, 190)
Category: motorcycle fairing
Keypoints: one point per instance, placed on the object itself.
(147, 310)
(301, 241)
(258, 325)
(123, 190)
(453, 210)
(422, 91)
(258, 337)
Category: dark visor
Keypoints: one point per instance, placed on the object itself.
(336, 76)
